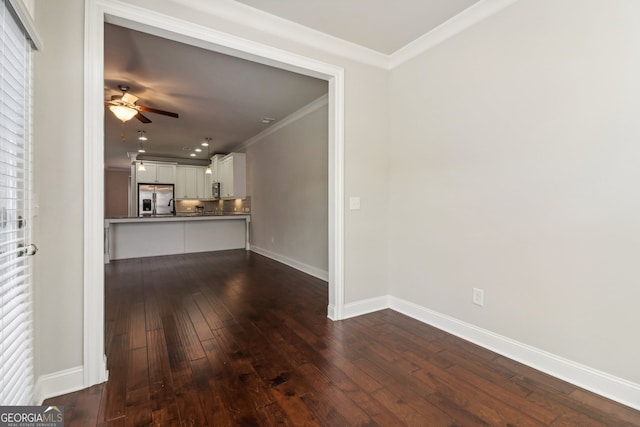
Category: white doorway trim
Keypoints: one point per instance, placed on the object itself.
(97, 12)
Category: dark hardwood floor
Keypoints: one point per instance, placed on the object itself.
(235, 339)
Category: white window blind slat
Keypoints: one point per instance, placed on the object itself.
(15, 382)
(14, 314)
(18, 330)
(16, 307)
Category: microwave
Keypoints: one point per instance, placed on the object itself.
(215, 190)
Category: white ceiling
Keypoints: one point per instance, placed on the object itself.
(381, 25)
(225, 98)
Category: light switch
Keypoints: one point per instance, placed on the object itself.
(354, 203)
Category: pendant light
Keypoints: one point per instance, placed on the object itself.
(141, 167)
(208, 171)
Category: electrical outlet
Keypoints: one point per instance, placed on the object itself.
(478, 296)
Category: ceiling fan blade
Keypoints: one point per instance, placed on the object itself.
(128, 98)
(142, 118)
(153, 110)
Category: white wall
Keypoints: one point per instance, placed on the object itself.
(516, 146)
(58, 176)
(287, 179)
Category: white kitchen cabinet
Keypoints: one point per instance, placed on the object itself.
(215, 174)
(161, 173)
(180, 189)
(232, 176)
(208, 180)
(190, 182)
(198, 176)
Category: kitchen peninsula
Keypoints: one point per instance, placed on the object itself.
(135, 237)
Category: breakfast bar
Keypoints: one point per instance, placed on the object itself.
(136, 237)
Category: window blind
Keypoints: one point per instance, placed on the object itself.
(16, 307)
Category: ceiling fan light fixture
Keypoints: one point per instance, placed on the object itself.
(123, 113)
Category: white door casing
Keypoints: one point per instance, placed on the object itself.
(97, 12)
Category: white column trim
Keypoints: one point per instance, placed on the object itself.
(94, 367)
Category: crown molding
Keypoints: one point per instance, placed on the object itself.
(242, 14)
(460, 22)
(247, 16)
(295, 116)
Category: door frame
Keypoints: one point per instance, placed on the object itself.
(97, 12)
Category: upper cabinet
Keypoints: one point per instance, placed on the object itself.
(232, 176)
(215, 167)
(190, 183)
(160, 173)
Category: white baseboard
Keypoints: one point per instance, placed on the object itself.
(609, 386)
(606, 385)
(305, 268)
(370, 305)
(57, 383)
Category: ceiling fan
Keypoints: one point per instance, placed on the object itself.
(124, 107)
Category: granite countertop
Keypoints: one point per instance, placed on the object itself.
(211, 213)
(180, 216)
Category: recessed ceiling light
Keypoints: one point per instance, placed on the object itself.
(192, 154)
(141, 150)
(267, 120)
(205, 144)
(197, 150)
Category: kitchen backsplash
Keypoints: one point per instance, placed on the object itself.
(218, 206)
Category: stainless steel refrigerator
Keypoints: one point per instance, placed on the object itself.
(155, 199)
